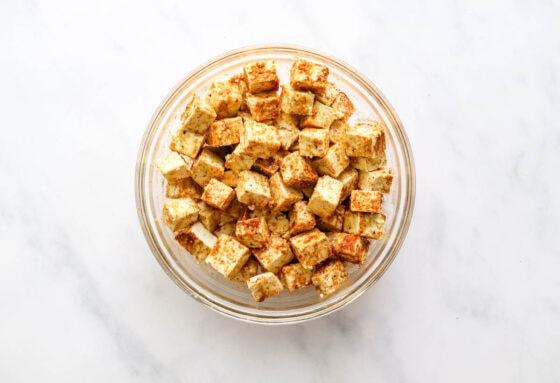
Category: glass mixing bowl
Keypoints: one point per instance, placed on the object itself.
(205, 284)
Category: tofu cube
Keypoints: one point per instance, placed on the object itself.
(249, 270)
(197, 240)
(238, 160)
(313, 142)
(296, 276)
(235, 209)
(261, 76)
(228, 256)
(173, 166)
(300, 218)
(329, 277)
(327, 95)
(334, 161)
(207, 166)
(369, 164)
(225, 229)
(187, 143)
(283, 196)
(349, 179)
(337, 132)
(276, 255)
(333, 222)
(267, 166)
(322, 116)
(239, 82)
(297, 172)
(343, 105)
(311, 248)
(225, 132)
(264, 286)
(325, 197)
(380, 180)
(278, 223)
(225, 98)
(179, 213)
(198, 115)
(350, 247)
(353, 222)
(253, 189)
(182, 188)
(367, 201)
(208, 216)
(373, 225)
(305, 75)
(365, 140)
(259, 140)
(217, 194)
(296, 102)
(253, 232)
(288, 131)
(263, 106)
(230, 178)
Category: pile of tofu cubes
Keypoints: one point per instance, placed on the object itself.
(270, 185)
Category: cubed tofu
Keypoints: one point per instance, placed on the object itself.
(311, 247)
(296, 276)
(225, 98)
(305, 75)
(230, 178)
(349, 179)
(235, 209)
(343, 105)
(249, 270)
(287, 125)
(253, 232)
(240, 82)
(173, 166)
(313, 142)
(327, 95)
(208, 216)
(253, 189)
(259, 140)
(182, 188)
(297, 172)
(225, 132)
(365, 140)
(329, 277)
(350, 247)
(275, 255)
(337, 132)
(225, 229)
(264, 286)
(373, 225)
(367, 201)
(261, 76)
(197, 240)
(187, 143)
(334, 161)
(326, 196)
(238, 160)
(333, 222)
(278, 223)
(228, 256)
(380, 180)
(353, 222)
(283, 196)
(198, 115)
(263, 106)
(369, 164)
(322, 116)
(207, 166)
(267, 166)
(217, 194)
(300, 218)
(179, 213)
(296, 102)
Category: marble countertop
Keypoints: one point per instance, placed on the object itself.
(474, 294)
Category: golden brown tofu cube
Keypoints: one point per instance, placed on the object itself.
(296, 102)
(225, 132)
(179, 213)
(267, 166)
(296, 276)
(305, 75)
(278, 223)
(327, 95)
(228, 256)
(207, 166)
(253, 232)
(343, 105)
(261, 76)
(275, 255)
(367, 201)
(369, 164)
(311, 247)
(263, 106)
(334, 161)
(313, 142)
(182, 188)
(365, 140)
(253, 189)
(329, 277)
(380, 180)
(197, 240)
(337, 132)
(187, 143)
(322, 116)
(218, 194)
(208, 216)
(373, 225)
(297, 172)
(238, 160)
(225, 98)
(300, 218)
(326, 196)
(259, 140)
(353, 222)
(198, 115)
(173, 166)
(283, 196)
(288, 131)
(333, 222)
(349, 179)
(264, 286)
(230, 178)
(249, 270)
(350, 247)
(239, 82)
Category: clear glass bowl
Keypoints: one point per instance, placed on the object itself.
(233, 299)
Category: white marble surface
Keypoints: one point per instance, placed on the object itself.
(474, 294)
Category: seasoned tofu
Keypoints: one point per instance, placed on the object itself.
(197, 240)
(228, 256)
(217, 194)
(275, 255)
(296, 102)
(313, 142)
(329, 277)
(334, 161)
(249, 270)
(208, 216)
(327, 95)
(187, 143)
(337, 132)
(173, 166)
(230, 178)
(179, 213)
(349, 179)
(238, 160)
(288, 131)
(365, 140)
(253, 232)
(380, 180)
(283, 196)
(207, 166)
(311, 247)
(198, 115)
(366, 201)
(225, 98)
(263, 106)
(264, 286)
(369, 164)
(353, 222)
(297, 172)
(350, 247)
(253, 189)
(239, 82)
(267, 166)
(333, 222)
(182, 188)
(261, 76)
(326, 196)
(322, 116)
(296, 276)
(343, 105)
(300, 218)
(373, 225)
(259, 140)
(225, 132)
(278, 223)
(305, 75)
